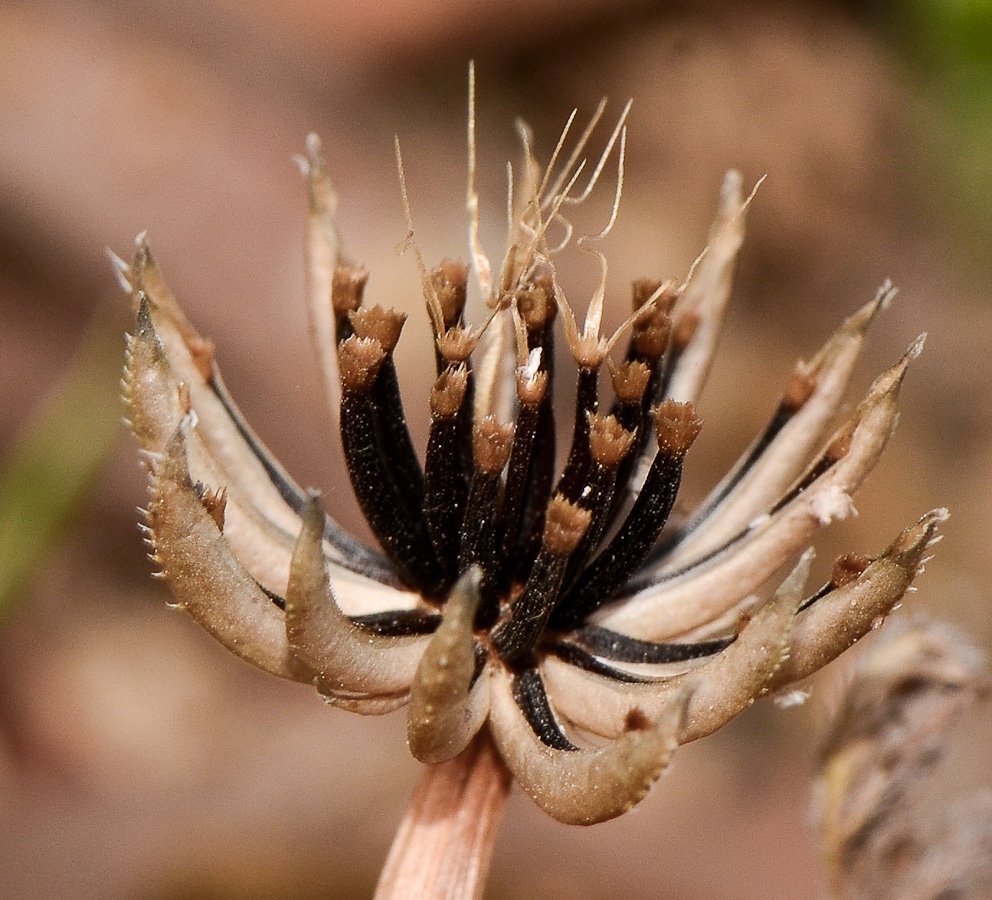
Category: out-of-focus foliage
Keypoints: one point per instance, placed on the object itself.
(48, 473)
(949, 45)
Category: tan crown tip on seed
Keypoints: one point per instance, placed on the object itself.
(450, 283)
(652, 332)
(565, 525)
(348, 288)
(491, 442)
(642, 290)
(677, 426)
(536, 303)
(448, 392)
(531, 386)
(377, 323)
(457, 344)
(588, 351)
(630, 381)
(359, 360)
(609, 441)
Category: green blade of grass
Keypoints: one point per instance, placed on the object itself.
(55, 461)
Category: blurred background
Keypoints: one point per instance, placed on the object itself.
(138, 759)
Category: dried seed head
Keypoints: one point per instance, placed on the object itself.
(359, 360)
(491, 443)
(376, 323)
(677, 426)
(348, 288)
(562, 591)
(565, 525)
(609, 441)
(448, 392)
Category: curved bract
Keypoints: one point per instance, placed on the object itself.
(559, 608)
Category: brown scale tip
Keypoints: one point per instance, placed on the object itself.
(536, 303)
(565, 524)
(359, 360)
(677, 426)
(840, 446)
(382, 325)
(215, 503)
(491, 443)
(848, 568)
(347, 288)
(448, 392)
(636, 720)
(685, 330)
(630, 381)
(609, 441)
(800, 389)
(201, 351)
(642, 289)
(456, 345)
(651, 334)
(450, 281)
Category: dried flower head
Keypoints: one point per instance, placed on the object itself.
(559, 608)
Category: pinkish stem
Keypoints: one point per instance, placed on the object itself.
(444, 846)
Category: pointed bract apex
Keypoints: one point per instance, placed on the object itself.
(446, 709)
(584, 787)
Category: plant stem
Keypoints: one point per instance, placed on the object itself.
(445, 843)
